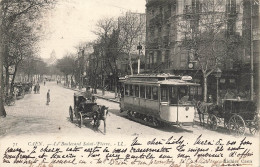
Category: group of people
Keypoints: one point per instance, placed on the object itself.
(36, 88)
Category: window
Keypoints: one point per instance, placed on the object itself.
(184, 96)
(136, 90)
(173, 95)
(131, 90)
(192, 90)
(155, 57)
(155, 93)
(148, 92)
(127, 90)
(164, 94)
(142, 91)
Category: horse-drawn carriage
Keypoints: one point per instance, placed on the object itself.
(27, 87)
(237, 115)
(19, 90)
(88, 109)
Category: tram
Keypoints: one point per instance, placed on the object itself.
(159, 99)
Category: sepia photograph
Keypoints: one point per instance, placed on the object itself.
(172, 83)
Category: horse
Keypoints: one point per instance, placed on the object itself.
(100, 114)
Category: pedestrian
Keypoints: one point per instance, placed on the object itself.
(38, 88)
(34, 89)
(48, 97)
(44, 82)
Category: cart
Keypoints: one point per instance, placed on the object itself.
(237, 116)
(87, 109)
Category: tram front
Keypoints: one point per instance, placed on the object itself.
(177, 101)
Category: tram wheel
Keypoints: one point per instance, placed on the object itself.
(155, 122)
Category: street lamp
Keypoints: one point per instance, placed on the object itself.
(139, 48)
(218, 73)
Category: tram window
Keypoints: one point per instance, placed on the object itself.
(127, 90)
(192, 90)
(155, 93)
(148, 92)
(184, 97)
(131, 90)
(173, 95)
(142, 91)
(136, 90)
(164, 94)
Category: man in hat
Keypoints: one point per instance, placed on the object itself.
(88, 94)
(48, 97)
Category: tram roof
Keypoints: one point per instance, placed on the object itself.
(177, 82)
(163, 82)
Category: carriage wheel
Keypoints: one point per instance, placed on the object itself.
(254, 126)
(71, 114)
(236, 125)
(212, 122)
(80, 120)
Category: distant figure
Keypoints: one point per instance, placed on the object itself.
(35, 88)
(48, 97)
(57, 82)
(38, 88)
(44, 82)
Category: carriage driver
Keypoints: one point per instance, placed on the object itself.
(88, 94)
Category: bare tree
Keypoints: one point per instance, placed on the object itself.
(107, 38)
(131, 28)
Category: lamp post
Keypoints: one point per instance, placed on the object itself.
(139, 48)
(218, 75)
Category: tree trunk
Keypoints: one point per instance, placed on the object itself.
(115, 83)
(6, 80)
(12, 82)
(205, 85)
(130, 64)
(2, 109)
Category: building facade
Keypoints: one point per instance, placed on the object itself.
(166, 21)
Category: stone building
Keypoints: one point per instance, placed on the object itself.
(164, 38)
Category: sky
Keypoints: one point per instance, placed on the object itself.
(73, 21)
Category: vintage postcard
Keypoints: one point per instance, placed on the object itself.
(129, 83)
